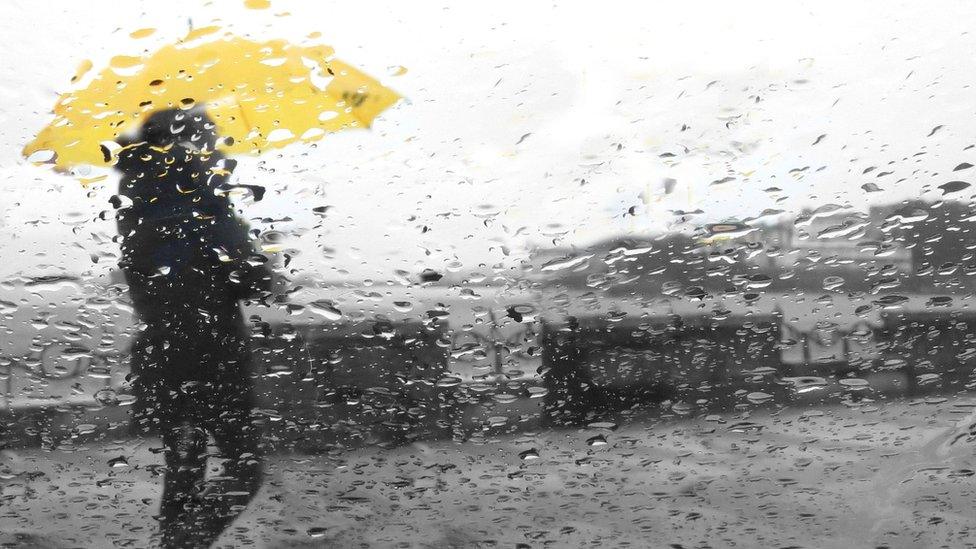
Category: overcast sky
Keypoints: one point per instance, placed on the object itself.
(531, 123)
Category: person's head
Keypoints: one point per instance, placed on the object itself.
(190, 128)
(169, 145)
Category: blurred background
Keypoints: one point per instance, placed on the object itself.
(724, 248)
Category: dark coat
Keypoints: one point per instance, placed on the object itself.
(188, 260)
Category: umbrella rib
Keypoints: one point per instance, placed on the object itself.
(240, 108)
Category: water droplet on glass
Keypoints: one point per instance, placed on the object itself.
(326, 309)
(759, 397)
(504, 398)
(598, 440)
(317, 532)
(107, 397)
(805, 384)
(855, 384)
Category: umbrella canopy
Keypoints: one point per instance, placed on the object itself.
(261, 95)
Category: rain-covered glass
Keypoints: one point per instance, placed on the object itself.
(453, 275)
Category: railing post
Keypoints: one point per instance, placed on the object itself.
(8, 385)
(806, 349)
(846, 347)
(494, 334)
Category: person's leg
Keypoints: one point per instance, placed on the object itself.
(162, 410)
(185, 454)
(238, 442)
(228, 420)
(234, 432)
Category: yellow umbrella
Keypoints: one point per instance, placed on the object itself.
(262, 94)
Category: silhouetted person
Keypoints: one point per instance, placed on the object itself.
(188, 261)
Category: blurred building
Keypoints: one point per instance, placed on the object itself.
(851, 241)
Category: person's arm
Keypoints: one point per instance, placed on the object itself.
(247, 269)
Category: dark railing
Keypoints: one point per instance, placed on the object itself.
(743, 362)
(376, 375)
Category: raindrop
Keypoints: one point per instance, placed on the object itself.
(682, 408)
(744, 427)
(42, 156)
(953, 187)
(927, 379)
(107, 397)
(504, 398)
(696, 292)
(757, 281)
(317, 532)
(325, 116)
(598, 440)
(832, 282)
(731, 230)
(565, 263)
(759, 397)
(326, 309)
(280, 134)
(891, 301)
(449, 381)
(521, 313)
(855, 384)
(805, 384)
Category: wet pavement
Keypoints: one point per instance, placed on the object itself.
(864, 475)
